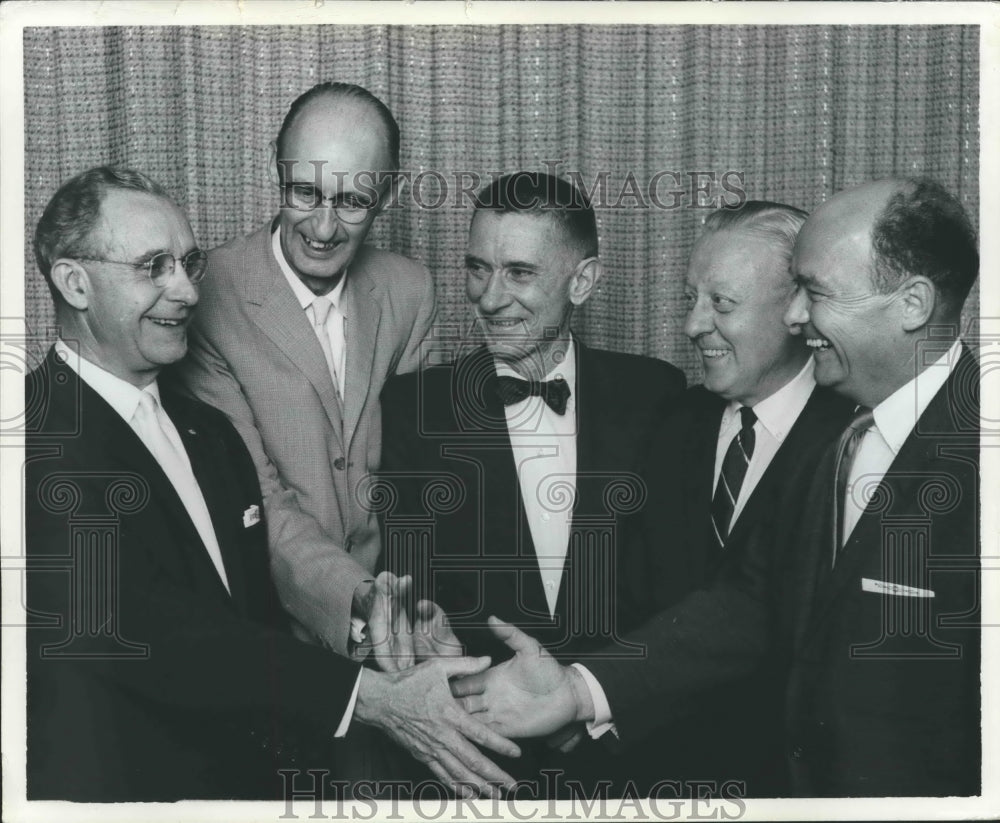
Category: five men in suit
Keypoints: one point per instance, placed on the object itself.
(868, 591)
(159, 662)
(517, 460)
(300, 324)
(735, 465)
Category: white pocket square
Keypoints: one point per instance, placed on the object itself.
(882, 587)
(251, 516)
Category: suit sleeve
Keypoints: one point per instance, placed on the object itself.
(711, 637)
(315, 577)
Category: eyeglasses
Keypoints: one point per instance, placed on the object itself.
(160, 266)
(350, 207)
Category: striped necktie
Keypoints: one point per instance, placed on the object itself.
(734, 469)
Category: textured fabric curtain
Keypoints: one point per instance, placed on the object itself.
(659, 122)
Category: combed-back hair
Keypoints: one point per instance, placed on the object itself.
(925, 230)
(67, 225)
(344, 91)
(529, 192)
(776, 221)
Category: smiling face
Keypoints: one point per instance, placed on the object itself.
(339, 146)
(738, 288)
(524, 279)
(124, 323)
(854, 333)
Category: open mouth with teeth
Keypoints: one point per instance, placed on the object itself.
(317, 246)
(818, 344)
(711, 354)
(167, 322)
(501, 323)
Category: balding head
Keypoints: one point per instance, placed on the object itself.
(905, 228)
(877, 266)
(342, 102)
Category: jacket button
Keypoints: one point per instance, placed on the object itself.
(338, 464)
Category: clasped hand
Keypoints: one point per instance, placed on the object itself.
(529, 695)
(412, 701)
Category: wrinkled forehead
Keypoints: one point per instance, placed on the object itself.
(135, 222)
(737, 257)
(537, 234)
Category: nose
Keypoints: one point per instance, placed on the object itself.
(179, 288)
(797, 313)
(325, 223)
(700, 319)
(494, 297)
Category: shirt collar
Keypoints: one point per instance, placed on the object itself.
(301, 291)
(778, 412)
(121, 395)
(566, 369)
(897, 415)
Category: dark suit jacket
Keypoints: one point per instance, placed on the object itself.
(882, 690)
(729, 734)
(456, 518)
(146, 680)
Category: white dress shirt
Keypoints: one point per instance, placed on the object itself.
(124, 398)
(544, 446)
(334, 328)
(895, 418)
(776, 415)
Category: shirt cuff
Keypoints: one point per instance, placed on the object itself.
(359, 630)
(602, 721)
(345, 721)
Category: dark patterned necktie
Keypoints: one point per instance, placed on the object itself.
(734, 469)
(847, 449)
(554, 392)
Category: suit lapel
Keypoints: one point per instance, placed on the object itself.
(118, 445)
(280, 318)
(207, 457)
(699, 453)
(363, 312)
(917, 459)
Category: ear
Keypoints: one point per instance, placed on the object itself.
(393, 193)
(587, 273)
(918, 298)
(72, 282)
(272, 164)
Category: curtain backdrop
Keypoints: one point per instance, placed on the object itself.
(793, 113)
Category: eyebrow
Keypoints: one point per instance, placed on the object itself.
(472, 260)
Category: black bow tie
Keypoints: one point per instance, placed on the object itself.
(554, 392)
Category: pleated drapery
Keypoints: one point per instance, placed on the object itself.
(790, 113)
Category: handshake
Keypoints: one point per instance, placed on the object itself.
(437, 703)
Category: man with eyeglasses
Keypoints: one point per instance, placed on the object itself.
(159, 662)
(299, 326)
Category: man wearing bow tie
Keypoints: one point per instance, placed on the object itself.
(869, 590)
(531, 443)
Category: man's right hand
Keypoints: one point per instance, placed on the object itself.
(415, 708)
(530, 695)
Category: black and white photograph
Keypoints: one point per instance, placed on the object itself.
(499, 410)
